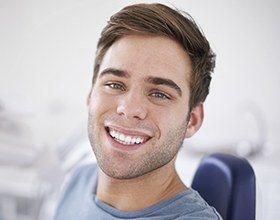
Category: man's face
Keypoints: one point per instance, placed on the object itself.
(138, 106)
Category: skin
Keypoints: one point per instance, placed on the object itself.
(142, 90)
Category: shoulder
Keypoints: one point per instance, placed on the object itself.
(197, 208)
(82, 175)
(82, 178)
(82, 181)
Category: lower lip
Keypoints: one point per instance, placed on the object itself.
(120, 146)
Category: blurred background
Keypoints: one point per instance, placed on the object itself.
(46, 61)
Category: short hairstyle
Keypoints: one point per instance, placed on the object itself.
(160, 20)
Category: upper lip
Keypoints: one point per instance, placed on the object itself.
(130, 131)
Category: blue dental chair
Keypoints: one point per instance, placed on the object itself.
(227, 183)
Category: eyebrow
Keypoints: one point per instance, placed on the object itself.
(164, 81)
(151, 79)
(115, 72)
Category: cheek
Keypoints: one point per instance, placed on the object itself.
(169, 120)
(100, 103)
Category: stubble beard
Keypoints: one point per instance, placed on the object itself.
(122, 165)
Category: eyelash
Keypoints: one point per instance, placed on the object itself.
(160, 95)
(115, 86)
(154, 94)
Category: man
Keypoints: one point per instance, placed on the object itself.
(151, 76)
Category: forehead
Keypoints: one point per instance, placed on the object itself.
(142, 55)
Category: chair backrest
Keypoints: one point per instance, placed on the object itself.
(227, 183)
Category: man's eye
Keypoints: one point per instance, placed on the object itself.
(159, 95)
(115, 86)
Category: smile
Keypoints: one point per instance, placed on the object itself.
(126, 139)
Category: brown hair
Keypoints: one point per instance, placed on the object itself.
(160, 20)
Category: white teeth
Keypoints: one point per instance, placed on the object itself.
(122, 137)
(117, 135)
(125, 139)
(112, 133)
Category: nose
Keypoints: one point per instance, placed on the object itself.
(131, 105)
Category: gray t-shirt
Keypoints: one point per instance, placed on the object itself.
(80, 203)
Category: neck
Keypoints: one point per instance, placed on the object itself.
(141, 192)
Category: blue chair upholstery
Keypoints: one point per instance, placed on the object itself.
(227, 183)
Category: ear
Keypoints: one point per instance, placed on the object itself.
(195, 120)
